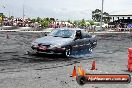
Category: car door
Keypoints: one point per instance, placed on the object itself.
(78, 41)
(86, 41)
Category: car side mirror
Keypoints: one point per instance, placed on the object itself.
(75, 39)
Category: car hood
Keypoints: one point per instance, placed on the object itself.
(50, 40)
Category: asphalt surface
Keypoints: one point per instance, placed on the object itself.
(20, 69)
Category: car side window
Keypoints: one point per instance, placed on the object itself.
(78, 35)
(86, 35)
(89, 36)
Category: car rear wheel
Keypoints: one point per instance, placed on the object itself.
(93, 45)
(67, 52)
(90, 49)
(37, 52)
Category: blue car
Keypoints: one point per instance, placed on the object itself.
(64, 41)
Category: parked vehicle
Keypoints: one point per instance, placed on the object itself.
(64, 41)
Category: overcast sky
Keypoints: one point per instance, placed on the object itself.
(62, 9)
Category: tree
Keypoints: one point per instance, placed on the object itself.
(96, 16)
(11, 17)
(68, 21)
(106, 17)
(29, 19)
(38, 19)
(33, 20)
(91, 22)
(47, 19)
(82, 23)
(45, 22)
(75, 23)
(52, 19)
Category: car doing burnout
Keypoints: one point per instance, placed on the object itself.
(64, 41)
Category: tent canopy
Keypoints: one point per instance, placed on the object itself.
(129, 25)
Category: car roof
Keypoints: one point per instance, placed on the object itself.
(69, 29)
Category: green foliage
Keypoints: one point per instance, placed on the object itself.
(91, 22)
(11, 17)
(38, 19)
(75, 23)
(52, 19)
(44, 22)
(33, 20)
(69, 21)
(82, 23)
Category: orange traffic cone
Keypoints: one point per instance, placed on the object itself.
(93, 66)
(80, 70)
(83, 72)
(74, 71)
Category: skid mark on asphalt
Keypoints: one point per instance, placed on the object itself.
(73, 62)
(10, 71)
(56, 66)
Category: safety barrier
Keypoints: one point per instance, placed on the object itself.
(121, 29)
(124, 29)
(130, 59)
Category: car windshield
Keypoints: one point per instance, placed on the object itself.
(62, 33)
